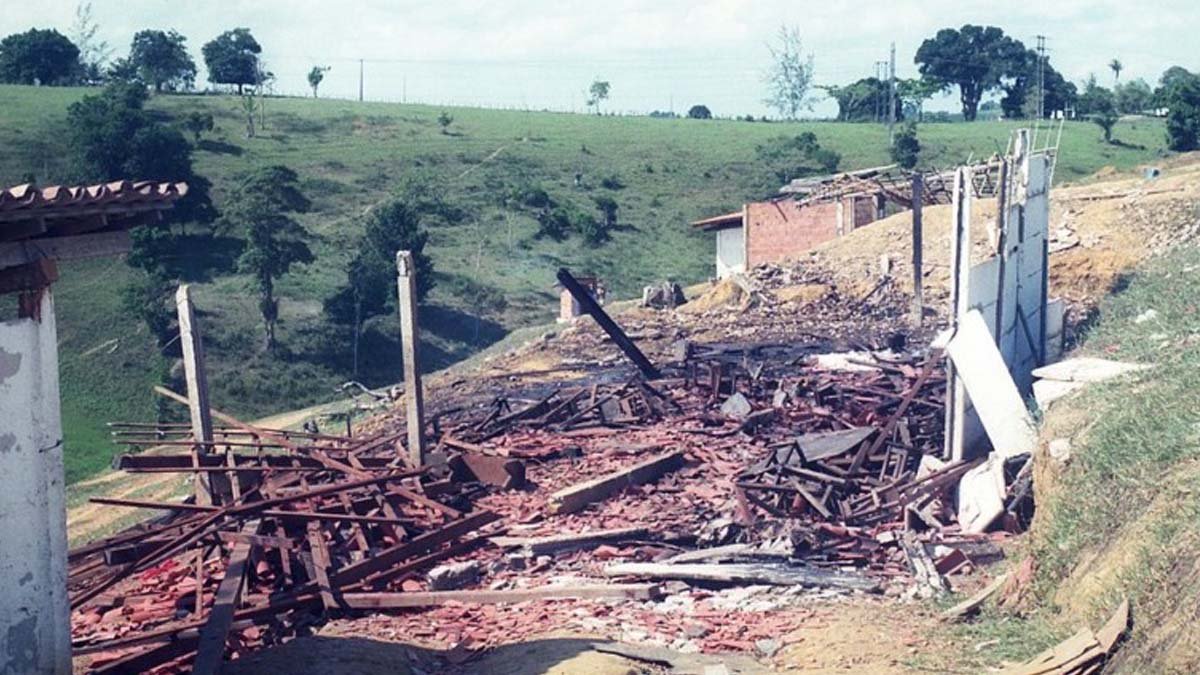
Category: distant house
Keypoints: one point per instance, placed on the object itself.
(772, 231)
(811, 211)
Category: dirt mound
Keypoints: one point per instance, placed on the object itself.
(725, 293)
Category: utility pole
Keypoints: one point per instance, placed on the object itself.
(1041, 75)
(891, 103)
(410, 339)
(360, 80)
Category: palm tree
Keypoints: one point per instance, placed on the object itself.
(1116, 66)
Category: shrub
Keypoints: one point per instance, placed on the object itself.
(906, 148)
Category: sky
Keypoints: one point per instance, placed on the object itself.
(657, 55)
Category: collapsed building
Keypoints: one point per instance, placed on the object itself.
(811, 211)
(646, 500)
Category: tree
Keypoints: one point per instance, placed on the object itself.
(232, 58)
(146, 297)
(790, 76)
(260, 208)
(1116, 66)
(112, 137)
(444, 120)
(607, 206)
(912, 94)
(316, 76)
(122, 70)
(699, 112)
(865, 100)
(906, 149)
(1182, 99)
(162, 60)
(1171, 79)
(93, 52)
(597, 93)
(198, 122)
(973, 58)
(370, 286)
(793, 157)
(1101, 108)
(38, 57)
(1134, 96)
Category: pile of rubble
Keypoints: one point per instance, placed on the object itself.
(647, 509)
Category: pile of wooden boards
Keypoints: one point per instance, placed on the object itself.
(310, 522)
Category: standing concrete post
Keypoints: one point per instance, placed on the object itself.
(35, 629)
(216, 487)
(918, 197)
(410, 339)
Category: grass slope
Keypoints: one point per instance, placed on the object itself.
(351, 155)
(1122, 519)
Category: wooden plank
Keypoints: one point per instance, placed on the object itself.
(577, 497)
(924, 570)
(573, 540)
(1114, 628)
(259, 540)
(321, 564)
(773, 575)
(973, 603)
(589, 305)
(210, 651)
(389, 557)
(436, 598)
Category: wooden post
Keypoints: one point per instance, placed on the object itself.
(589, 305)
(409, 343)
(215, 487)
(918, 197)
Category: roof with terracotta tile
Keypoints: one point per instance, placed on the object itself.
(28, 212)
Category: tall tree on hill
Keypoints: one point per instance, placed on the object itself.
(598, 93)
(790, 75)
(162, 60)
(1180, 94)
(860, 101)
(232, 58)
(912, 94)
(261, 207)
(316, 76)
(974, 58)
(1134, 96)
(371, 275)
(112, 137)
(1116, 66)
(38, 57)
(93, 52)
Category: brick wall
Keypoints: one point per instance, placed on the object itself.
(781, 230)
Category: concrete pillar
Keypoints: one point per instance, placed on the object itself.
(35, 629)
(215, 488)
(410, 342)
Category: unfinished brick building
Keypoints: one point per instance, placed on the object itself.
(779, 229)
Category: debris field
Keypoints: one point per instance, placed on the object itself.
(702, 509)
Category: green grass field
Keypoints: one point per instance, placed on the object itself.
(351, 155)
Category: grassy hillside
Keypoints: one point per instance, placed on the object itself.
(493, 275)
(1121, 518)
